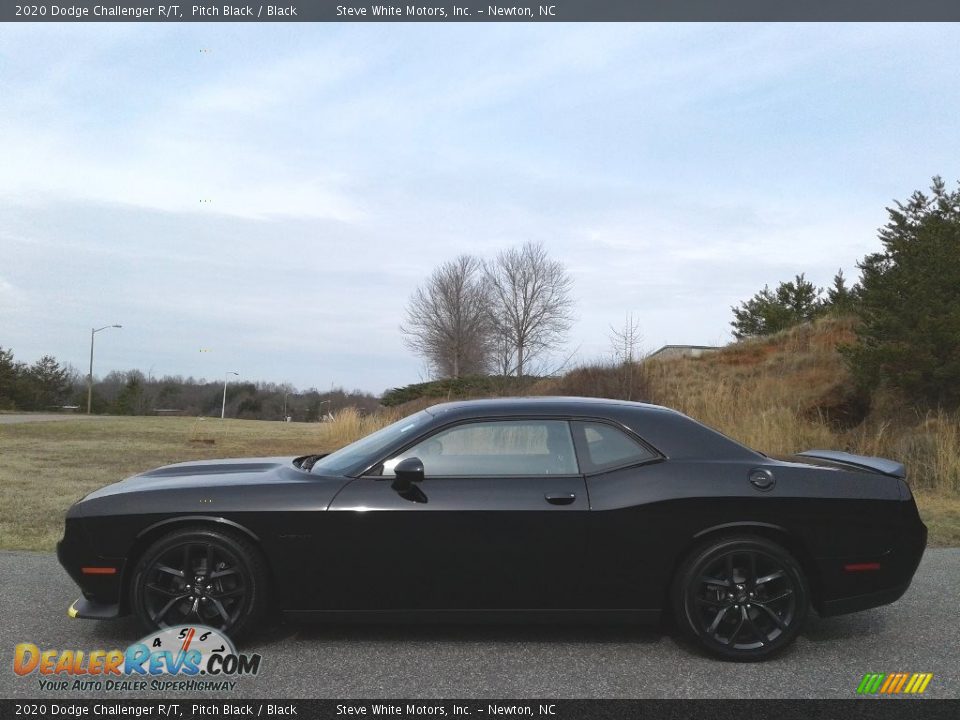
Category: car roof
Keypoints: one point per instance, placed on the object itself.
(521, 405)
(670, 431)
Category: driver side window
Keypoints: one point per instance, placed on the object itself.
(495, 448)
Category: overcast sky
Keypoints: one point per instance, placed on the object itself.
(675, 169)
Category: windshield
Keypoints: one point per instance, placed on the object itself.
(366, 450)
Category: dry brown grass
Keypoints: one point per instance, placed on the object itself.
(941, 514)
(349, 425)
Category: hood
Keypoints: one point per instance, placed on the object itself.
(207, 473)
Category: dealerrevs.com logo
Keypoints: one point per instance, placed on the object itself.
(179, 659)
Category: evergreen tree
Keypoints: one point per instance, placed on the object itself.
(10, 379)
(840, 298)
(50, 382)
(129, 400)
(909, 301)
(771, 311)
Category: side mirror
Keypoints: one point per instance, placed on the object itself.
(408, 471)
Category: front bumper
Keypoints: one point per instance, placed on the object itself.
(99, 578)
(91, 610)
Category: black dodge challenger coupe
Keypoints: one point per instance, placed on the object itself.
(534, 508)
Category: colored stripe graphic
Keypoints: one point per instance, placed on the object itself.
(894, 683)
(891, 679)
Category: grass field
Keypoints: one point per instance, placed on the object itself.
(46, 466)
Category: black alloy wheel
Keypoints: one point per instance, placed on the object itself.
(200, 576)
(741, 598)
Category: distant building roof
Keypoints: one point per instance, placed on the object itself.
(683, 351)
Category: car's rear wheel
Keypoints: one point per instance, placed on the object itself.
(742, 598)
(201, 576)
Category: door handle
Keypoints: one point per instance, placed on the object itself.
(560, 498)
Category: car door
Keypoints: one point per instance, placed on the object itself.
(497, 523)
(634, 519)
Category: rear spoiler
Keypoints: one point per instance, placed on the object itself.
(877, 464)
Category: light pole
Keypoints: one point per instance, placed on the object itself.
(223, 408)
(94, 331)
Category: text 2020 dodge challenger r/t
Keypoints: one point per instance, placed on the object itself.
(546, 508)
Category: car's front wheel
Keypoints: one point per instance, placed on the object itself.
(741, 598)
(200, 575)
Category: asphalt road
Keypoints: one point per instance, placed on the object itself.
(13, 419)
(919, 633)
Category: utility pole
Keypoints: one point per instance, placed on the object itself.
(223, 408)
(93, 332)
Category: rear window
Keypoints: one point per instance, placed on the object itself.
(608, 447)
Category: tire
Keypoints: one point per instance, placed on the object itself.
(231, 594)
(741, 598)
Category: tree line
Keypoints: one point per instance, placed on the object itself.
(907, 302)
(502, 316)
(49, 385)
(43, 385)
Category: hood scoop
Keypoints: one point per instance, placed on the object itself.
(877, 464)
(214, 468)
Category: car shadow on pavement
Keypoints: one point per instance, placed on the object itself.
(274, 631)
(280, 630)
(842, 627)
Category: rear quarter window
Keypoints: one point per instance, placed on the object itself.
(605, 447)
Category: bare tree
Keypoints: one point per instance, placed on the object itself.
(448, 321)
(504, 355)
(625, 342)
(530, 302)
